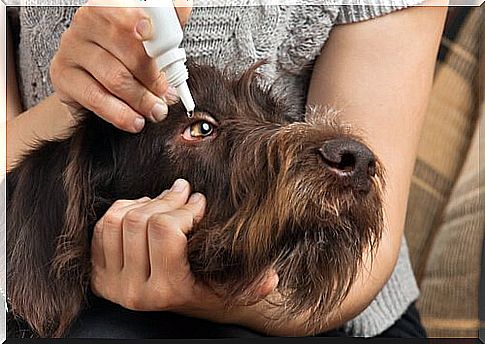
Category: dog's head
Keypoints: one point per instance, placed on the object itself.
(301, 197)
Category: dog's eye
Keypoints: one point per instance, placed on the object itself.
(201, 128)
(198, 130)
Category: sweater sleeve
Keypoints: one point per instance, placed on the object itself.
(392, 301)
(361, 10)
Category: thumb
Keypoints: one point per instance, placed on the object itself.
(184, 9)
(268, 284)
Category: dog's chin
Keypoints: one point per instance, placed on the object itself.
(316, 264)
(321, 255)
(314, 237)
(317, 273)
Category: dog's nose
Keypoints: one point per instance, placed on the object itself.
(348, 157)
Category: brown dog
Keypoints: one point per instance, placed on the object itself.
(301, 197)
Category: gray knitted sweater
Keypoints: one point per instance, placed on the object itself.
(289, 36)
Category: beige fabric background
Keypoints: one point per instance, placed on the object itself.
(444, 225)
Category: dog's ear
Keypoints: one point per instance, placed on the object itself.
(49, 206)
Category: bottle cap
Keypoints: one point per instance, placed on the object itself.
(185, 96)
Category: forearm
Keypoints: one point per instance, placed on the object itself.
(271, 319)
(383, 90)
(49, 119)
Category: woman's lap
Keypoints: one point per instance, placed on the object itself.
(107, 320)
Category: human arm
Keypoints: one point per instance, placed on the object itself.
(379, 73)
(47, 120)
(86, 73)
(417, 30)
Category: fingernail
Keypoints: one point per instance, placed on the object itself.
(143, 28)
(139, 123)
(171, 95)
(159, 111)
(195, 198)
(179, 185)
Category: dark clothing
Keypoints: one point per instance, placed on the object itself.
(407, 326)
(107, 320)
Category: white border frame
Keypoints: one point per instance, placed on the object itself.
(3, 163)
(128, 3)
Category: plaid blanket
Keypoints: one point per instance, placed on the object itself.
(444, 225)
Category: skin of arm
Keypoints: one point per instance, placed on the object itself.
(49, 119)
(52, 117)
(379, 73)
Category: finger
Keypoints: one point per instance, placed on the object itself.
(168, 200)
(264, 288)
(184, 10)
(167, 244)
(267, 286)
(123, 30)
(136, 218)
(135, 245)
(167, 241)
(97, 249)
(133, 55)
(196, 206)
(115, 77)
(112, 236)
(91, 95)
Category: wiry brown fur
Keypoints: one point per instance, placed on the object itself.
(271, 202)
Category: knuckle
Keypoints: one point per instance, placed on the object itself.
(132, 298)
(172, 198)
(161, 223)
(98, 228)
(135, 218)
(54, 67)
(145, 102)
(166, 299)
(123, 117)
(97, 284)
(113, 219)
(83, 14)
(159, 86)
(120, 80)
(56, 73)
(121, 203)
(68, 39)
(165, 226)
(167, 302)
(94, 96)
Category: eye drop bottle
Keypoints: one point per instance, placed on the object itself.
(164, 47)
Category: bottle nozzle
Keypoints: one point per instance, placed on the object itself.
(186, 98)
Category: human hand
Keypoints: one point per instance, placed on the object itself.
(139, 256)
(101, 65)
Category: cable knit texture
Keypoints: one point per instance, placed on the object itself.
(289, 37)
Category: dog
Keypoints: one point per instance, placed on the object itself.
(303, 197)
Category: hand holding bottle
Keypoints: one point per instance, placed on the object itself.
(101, 65)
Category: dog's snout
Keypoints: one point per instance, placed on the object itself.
(347, 157)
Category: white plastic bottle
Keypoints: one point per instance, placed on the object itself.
(164, 47)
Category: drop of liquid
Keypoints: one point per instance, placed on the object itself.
(190, 114)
